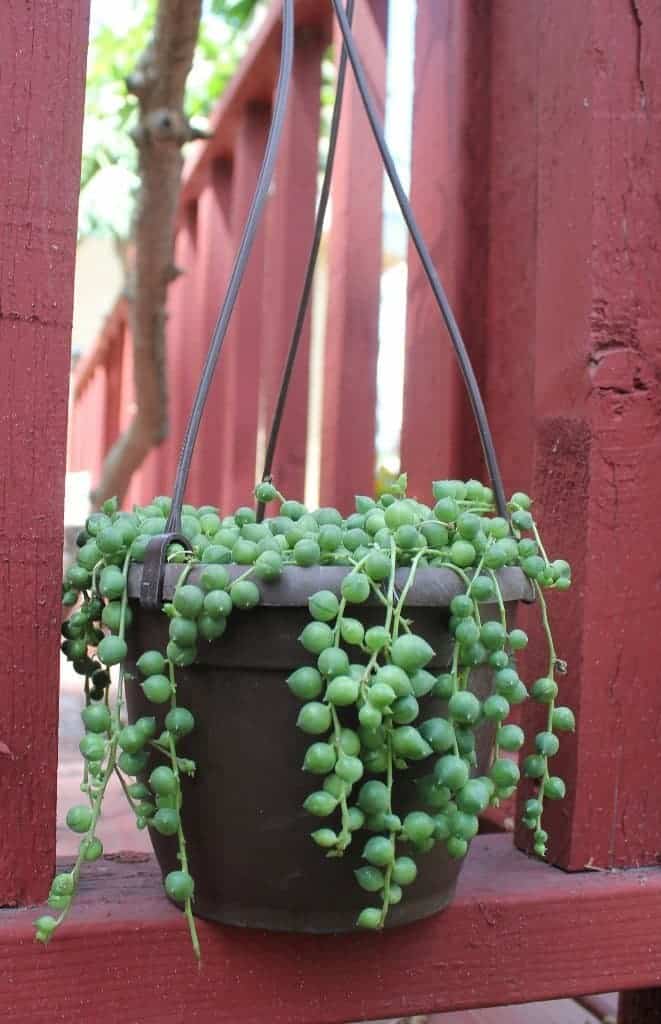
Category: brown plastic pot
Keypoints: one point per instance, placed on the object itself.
(248, 837)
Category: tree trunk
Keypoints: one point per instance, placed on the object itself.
(159, 82)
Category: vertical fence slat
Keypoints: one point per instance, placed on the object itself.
(431, 377)
(509, 387)
(157, 473)
(77, 441)
(126, 409)
(93, 421)
(241, 360)
(597, 410)
(214, 256)
(113, 390)
(42, 55)
(449, 194)
(181, 344)
(349, 384)
(289, 232)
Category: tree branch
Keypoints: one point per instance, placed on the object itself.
(159, 82)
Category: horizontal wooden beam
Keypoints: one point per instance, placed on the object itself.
(518, 930)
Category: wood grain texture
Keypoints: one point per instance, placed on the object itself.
(598, 410)
(494, 945)
(352, 328)
(449, 193)
(42, 56)
(290, 226)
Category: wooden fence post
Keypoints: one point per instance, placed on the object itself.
(42, 55)
(449, 193)
(596, 364)
(349, 385)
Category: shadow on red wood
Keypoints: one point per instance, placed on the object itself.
(600, 930)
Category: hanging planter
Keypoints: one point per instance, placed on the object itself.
(376, 651)
(244, 811)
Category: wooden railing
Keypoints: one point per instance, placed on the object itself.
(535, 170)
(476, 181)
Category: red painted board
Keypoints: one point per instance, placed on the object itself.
(598, 411)
(511, 239)
(157, 476)
(349, 381)
(113, 389)
(42, 56)
(518, 930)
(86, 427)
(289, 232)
(215, 250)
(183, 344)
(449, 193)
(241, 361)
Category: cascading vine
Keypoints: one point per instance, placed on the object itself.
(460, 533)
(369, 701)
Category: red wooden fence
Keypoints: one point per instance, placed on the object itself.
(41, 98)
(536, 156)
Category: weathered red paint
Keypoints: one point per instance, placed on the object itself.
(242, 357)
(449, 193)
(290, 227)
(349, 384)
(597, 413)
(42, 55)
(493, 945)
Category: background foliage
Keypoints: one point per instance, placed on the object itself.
(119, 33)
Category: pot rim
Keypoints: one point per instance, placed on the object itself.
(432, 587)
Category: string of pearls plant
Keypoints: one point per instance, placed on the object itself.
(363, 691)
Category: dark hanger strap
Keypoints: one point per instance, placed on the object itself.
(306, 291)
(441, 298)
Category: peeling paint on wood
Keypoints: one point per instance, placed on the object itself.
(598, 412)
